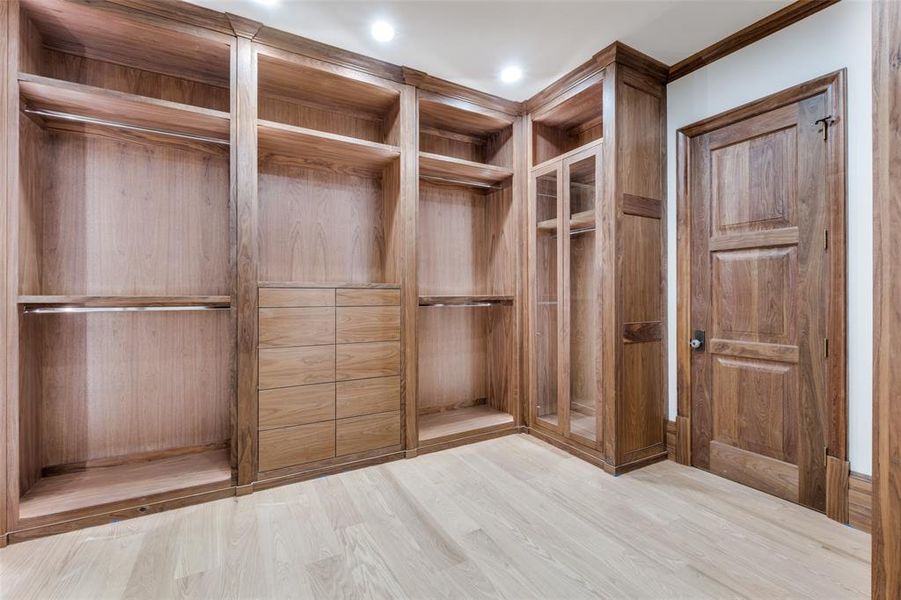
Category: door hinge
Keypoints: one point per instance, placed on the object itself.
(826, 121)
(826, 347)
(825, 239)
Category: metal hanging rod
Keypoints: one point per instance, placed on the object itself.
(578, 231)
(466, 182)
(44, 310)
(464, 305)
(52, 114)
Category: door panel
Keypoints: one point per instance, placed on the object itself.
(759, 290)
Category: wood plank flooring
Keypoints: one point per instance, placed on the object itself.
(506, 518)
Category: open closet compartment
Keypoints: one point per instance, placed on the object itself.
(123, 293)
(467, 264)
(596, 286)
(329, 173)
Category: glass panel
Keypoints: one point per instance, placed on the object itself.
(583, 309)
(546, 294)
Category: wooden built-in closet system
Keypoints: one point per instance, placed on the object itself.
(238, 258)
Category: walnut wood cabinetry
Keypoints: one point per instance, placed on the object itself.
(238, 260)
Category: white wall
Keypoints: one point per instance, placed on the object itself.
(835, 38)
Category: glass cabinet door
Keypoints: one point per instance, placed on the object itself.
(581, 296)
(547, 192)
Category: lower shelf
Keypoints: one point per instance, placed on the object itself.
(461, 420)
(106, 485)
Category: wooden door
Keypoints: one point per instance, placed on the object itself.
(762, 287)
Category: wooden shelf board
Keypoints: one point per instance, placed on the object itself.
(457, 169)
(577, 221)
(45, 93)
(119, 301)
(461, 420)
(457, 300)
(99, 486)
(566, 155)
(323, 148)
(453, 115)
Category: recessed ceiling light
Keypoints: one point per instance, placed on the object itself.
(382, 31)
(511, 74)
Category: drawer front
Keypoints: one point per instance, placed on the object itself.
(364, 361)
(359, 434)
(367, 324)
(297, 405)
(291, 446)
(367, 396)
(283, 367)
(367, 297)
(297, 326)
(281, 297)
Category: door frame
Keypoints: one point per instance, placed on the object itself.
(834, 86)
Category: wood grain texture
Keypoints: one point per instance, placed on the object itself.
(837, 494)
(368, 432)
(306, 326)
(756, 31)
(298, 405)
(755, 470)
(288, 446)
(465, 420)
(9, 157)
(860, 502)
(283, 367)
(367, 297)
(93, 488)
(355, 324)
(886, 320)
(362, 361)
(457, 169)
(282, 297)
(457, 519)
(367, 396)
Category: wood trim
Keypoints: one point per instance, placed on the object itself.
(183, 12)
(244, 143)
(860, 502)
(424, 81)
(683, 440)
(837, 474)
(670, 440)
(409, 115)
(243, 27)
(833, 85)
(7, 100)
(886, 318)
(755, 32)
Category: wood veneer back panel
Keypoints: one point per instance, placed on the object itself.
(115, 384)
(123, 217)
(320, 225)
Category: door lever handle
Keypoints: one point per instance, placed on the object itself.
(697, 342)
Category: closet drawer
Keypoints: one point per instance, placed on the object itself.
(366, 297)
(297, 405)
(283, 367)
(290, 446)
(367, 396)
(359, 434)
(280, 297)
(363, 361)
(367, 324)
(296, 326)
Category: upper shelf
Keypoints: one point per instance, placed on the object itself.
(461, 171)
(58, 99)
(323, 147)
(464, 300)
(578, 220)
(122, 301)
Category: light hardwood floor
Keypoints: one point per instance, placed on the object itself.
(510, 518)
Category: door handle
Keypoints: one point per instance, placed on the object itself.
(697, 342)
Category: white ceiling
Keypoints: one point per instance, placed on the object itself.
(469, 42)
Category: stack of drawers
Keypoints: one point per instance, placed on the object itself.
(329, 373)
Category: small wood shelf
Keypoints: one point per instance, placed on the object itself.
(328, 284)
(461, 171)
(95, 487)
(457, 421)
(129, 110)
(579, 220)
(463, 300)
(568, 154)
(123, 301)
(323, 148)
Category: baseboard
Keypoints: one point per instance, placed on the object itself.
(860, 502)
(671, 440)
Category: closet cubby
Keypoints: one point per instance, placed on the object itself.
(568, 125)
(466, 271)
(123, 263)
(329, 175)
